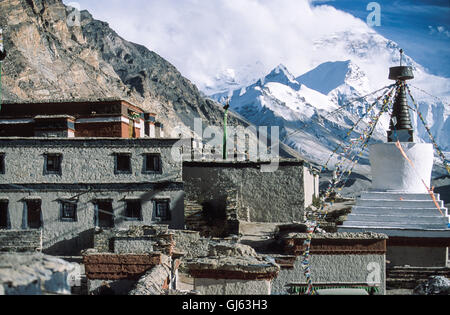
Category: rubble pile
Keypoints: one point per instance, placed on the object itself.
(436, 285)
(34, 274)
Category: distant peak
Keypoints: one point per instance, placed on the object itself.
(330, 75)
(281, 70)
(282, 75)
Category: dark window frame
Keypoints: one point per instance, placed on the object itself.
(98, 214)
(8, 219)
(139, 216)
(41, 219)
(157, 168)
(168, 214)
(2, 163)
(56, 170)
(116, 163)
(74, 217)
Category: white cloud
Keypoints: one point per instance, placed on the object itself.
(441, 30)
(204, 38)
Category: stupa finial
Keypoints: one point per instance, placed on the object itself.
(401, 127)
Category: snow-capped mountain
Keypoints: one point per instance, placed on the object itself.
(315, 110)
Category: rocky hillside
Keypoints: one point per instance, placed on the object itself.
(48, 58)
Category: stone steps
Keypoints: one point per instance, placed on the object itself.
(394, 218)
(434, 212)
(396, 196)
(393, 225)
(413, 204)
(393, 210)
(410, 277)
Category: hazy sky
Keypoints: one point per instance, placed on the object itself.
(204, 37)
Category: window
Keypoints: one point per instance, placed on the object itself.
(53, 163)
(152, 163)
(133, 210)
(162, 208)
(34, 214)
(4, 218)
(2, 163)
(123, 163)
(104, 214)
(68, 211)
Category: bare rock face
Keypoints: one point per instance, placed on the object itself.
(436, 285)
(51, 57)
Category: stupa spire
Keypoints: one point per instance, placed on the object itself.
(401, 127)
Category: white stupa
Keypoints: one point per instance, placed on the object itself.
(399, 203)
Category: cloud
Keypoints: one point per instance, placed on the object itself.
(440, 30)
(203, 38)
(206, 38)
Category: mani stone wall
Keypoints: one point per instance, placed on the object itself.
(337, 260)
(20, 241)
(232, 269)
(277, 196)
(135, 240)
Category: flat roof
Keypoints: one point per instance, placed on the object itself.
(7, 106)
(39, 141)
(237, 164)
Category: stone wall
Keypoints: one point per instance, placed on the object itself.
(154, 282)
(262, 197)
(68, 238)
(191, 244)
(334, 269)
(338, 259)
(135, 239)
(107, 266)
(87, 175)
(232, 287)
(232, 269)
(86, 160)
(211, 221)
(20, 241)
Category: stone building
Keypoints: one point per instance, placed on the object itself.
(241, 192)
(69, 187)
(113, 118)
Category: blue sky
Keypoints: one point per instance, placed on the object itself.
(421, 27)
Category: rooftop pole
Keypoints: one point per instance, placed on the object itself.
(225, 122)
(2, 57)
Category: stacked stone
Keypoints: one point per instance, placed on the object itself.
(20, 241)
